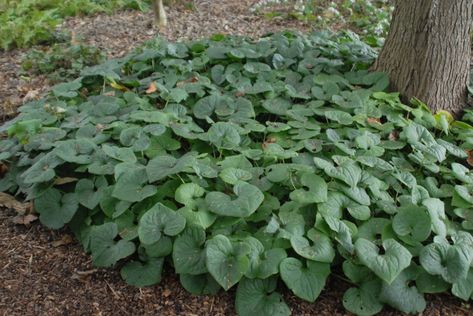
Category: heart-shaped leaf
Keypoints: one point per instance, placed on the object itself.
(159, 220)
(140, 275)
(364, 301)
(307, 281)
(227, 261)
(105, 250)
(188, 252)
(388, 265)
(257, 297)
(444, 260)
(55, 210)
(249, 198)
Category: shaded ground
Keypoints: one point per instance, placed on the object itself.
(43, 272)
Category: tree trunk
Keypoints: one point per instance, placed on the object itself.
(427, 52)
(161, 19)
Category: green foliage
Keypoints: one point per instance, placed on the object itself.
(245, 164)
(369, 18)
(61, 62)
(29, 22)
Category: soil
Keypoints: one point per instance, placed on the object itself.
(45, 272)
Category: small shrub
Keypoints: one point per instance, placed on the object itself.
(250, 164)
(62, 62)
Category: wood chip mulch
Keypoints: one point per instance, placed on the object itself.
(44, 272)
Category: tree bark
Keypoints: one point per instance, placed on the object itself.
(427, 52)
(161, 19)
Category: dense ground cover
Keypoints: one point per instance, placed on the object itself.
(249, 164)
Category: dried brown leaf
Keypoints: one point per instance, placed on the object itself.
(469, 160)
(394, 135)
(65, 180)
(9, 201)
(24, 219)
(152, 88)
(65, 240)
(373, 120)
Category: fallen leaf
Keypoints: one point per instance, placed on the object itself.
(24, 219)
(394, 135)
(152, 88)
(373, 120)
(65, 240)
(240, 94)
(469, 160)
(166, 292)
(119, 86)
(110, 93)
(65, 180)
(9, 201)
(31, 95)
(190, 80)
(82, 275)
(86, 272)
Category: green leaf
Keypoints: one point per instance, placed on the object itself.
(349, 172)
(436, 210)
(249, 198)
(316, 193)
(364, 301)
(257, 297)
(339, 116)
(159, 220)
(67, 89)
(131, 185)
(86, 193)
(444, 260)
(224, 135)
(263, 263)
(307, 281)
(164, 166)
(227, 261)
(233, 175)
(187, 192)
(321, 249)
(42, 170)
(105, 250)
(203, 284)
(413, 222)
(401, 296)
(55, 210)
(119, 153)
(140, 275)
(388, 265)
(464, 288)
(76, 151)
(188, 252)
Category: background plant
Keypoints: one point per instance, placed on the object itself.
(249, 164)
(369, 18)
(62, 62)
(29, 22)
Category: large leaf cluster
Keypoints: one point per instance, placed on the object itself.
(245, 164)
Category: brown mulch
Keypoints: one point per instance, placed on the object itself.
(44, 272)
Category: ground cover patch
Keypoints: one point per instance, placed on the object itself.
(248, 164)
